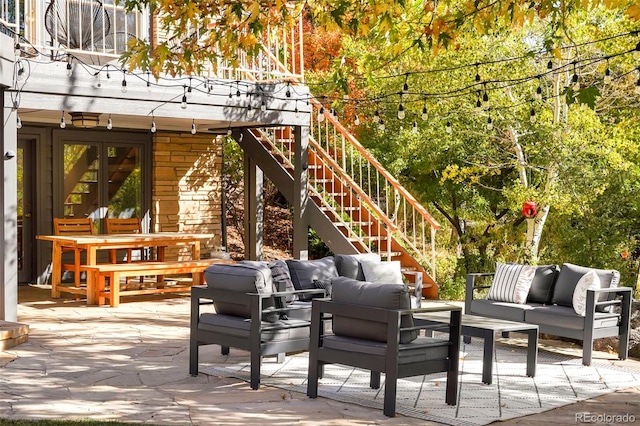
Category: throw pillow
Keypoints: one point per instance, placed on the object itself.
(511, 283)
(542, 285)
(282, 279)
(325, 285)
(568, 279)
(382, 272)
(589, 281)
(348, 265)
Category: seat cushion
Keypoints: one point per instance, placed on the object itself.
(303, 272)
(409, 352)
(500, 310)
(348, 265)
(241, 327)
(387, 296)
(570, 275)
(243, 277)
(542, 285)
(566, 317)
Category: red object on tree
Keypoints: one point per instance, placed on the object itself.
(529, 209)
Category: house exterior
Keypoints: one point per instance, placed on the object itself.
(83, 137)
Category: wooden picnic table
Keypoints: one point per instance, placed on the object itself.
(92, 243)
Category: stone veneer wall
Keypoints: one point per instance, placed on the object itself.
(186, 188)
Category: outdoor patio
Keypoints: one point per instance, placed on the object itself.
(130, 364)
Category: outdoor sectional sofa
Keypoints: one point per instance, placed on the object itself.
(573, 301)
(265, 307)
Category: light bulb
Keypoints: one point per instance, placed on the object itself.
(550, 65)
(288, 92)
(183, 104)
(345, 97)
(478, 105)
(538, 94)
(576, 83)
(485, 100)
(356, 120)
(123, 88)
(237, 93)
(20, 72)
(69, 69)
(18, 122)
(425, 116)
(189, 91)
(297, 111)
(193, 128)
(607, 76)
(63, 123)
(109, 123)
(148, 83)
(381, 125)
(153, 127)
(532, 116)
(478, 78)
(229, 132)
(415, 127)
(321, 115)
(263, 106)
(449, 129)
(405, 88)
(376, 116)
(638, 87)
(489, 123)
(401, 113)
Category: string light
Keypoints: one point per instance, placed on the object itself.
(148, 82)
(153, 124)
(550, 65)
(376, 116)
(575, 80)
(405, 87)
(123, 87)
(109, 123)
(193, 127)
(415, 127)
(538, 95)
(381, 125)
(607, 76)
(297, 111)
(183, 104)
(478, 103)
(189, 89)
(448, 128)
(425, 116)
(356, 120)
(478, 78)
(485, 99)
(18, 122)
(288, 92)
(489, 123)
(263, 105)
(532, 116)
(401, 113)
(69, 66)
(321, 115)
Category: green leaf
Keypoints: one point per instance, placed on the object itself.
(588, 96)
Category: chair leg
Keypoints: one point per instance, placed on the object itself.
(390, 388)
(312, 379)
(451, 396)
(76, 271)
(256, 359)
(374, 381)
(466, 339)
(280, 358)
(193, 356)
(224, 350)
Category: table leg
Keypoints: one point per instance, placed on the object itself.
(487, 359)
(56, 269)
(92, 259)
(114, 283)
(532, 352)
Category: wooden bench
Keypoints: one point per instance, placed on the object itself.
(98, 274)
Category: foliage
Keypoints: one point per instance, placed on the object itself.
(200, 33)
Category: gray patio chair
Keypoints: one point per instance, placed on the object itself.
(373, 330)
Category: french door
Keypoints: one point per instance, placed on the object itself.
(99, 176)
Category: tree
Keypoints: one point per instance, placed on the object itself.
(201, 32)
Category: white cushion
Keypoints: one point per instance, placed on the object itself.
(382, 272)
(589, 281)
(511, 282)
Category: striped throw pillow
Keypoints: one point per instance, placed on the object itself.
(511, 283)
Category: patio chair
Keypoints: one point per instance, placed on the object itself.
(131, 225)
(72, 226)
(245, 316)
(373, 330)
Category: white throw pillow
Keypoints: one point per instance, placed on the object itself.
(589, 281)
(382, 272)
(511, 282)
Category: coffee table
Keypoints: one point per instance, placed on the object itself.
(488, 329)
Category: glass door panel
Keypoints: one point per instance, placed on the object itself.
(124, 182)
(81, 195)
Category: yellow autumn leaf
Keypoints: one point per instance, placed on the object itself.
(557, 52)
(612, 4)
(254, 10)
(633, 12)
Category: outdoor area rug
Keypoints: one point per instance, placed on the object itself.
(560, 380)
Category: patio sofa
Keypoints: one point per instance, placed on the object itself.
(265, 307)
(573, 301)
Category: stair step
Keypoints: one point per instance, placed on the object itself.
(385, 254)
(342, 208)
(369, 238)
(314, 180)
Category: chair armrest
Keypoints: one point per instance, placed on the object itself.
(625, 305)
(416, 284)
(471, 287)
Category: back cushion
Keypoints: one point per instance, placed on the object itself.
(570, 275)
(244, 277)
(348, 265)
(304, 272)
(542, 285)
(388, 296)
